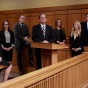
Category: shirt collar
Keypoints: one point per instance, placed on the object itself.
(21, 23)
(43, 25)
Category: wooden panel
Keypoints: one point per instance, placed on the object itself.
(84, 11)
(33, 20)
(50, 18)
(62, 55)
(73, 15)
(12, 18)
(63, 16)
(2, 18)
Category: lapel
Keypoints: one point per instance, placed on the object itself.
(19, 28)
(40, 29)
(3, 35)
(86, 25)
(46, 30)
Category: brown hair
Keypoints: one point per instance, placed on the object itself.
(56, 23)
(42, 14)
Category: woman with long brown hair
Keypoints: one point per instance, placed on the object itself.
(59, 33)
(7, 42)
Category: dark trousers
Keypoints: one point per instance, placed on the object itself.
(38, 58)
(19, 54)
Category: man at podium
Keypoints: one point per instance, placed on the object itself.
(41, 33)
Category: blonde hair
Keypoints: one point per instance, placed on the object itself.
(78, 32)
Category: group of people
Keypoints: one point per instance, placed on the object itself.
(41, 32)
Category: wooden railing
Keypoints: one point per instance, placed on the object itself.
(71, 73)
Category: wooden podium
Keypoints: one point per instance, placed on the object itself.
(49, 53)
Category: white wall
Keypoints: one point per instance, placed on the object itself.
(24, 4)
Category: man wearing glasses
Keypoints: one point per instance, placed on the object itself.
(21, 34)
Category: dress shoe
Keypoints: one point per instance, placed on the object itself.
(20, 73)
(31, 62)
(10, 77)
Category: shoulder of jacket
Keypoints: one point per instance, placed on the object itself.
(37, 25)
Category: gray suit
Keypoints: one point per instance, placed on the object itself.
(19, 33)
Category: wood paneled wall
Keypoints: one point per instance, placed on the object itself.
(68, 14)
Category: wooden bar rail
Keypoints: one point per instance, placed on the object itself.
(70, 73)
(2, 67)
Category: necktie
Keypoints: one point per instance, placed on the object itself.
(43, 29)
(22, 25)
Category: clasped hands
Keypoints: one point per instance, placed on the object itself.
(26, 39)
(7, 49)
(76, 49)
(45, 41)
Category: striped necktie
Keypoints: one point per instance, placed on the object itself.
(43, 29)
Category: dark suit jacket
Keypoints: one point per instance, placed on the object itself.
(78, 42)
(37, 33)
(3, 40)
(57, 35)
(85, 33)
(19, 35)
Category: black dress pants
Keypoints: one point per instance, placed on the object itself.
(19, 54)
(38, 58)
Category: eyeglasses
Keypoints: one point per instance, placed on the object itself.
(22, 18)
(6, 24)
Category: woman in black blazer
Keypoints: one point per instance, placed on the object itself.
(7, 42)
(76, 39)
(59, 33)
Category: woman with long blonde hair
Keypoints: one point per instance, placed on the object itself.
(76, 40)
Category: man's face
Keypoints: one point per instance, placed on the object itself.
(22, 19)
(43, 19)
(87, 17)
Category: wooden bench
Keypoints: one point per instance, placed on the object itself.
(2, 67)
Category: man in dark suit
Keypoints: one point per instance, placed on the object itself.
(41, 33)
(85, 31)
(21, 34)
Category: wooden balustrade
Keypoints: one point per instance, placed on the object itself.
(70, 73)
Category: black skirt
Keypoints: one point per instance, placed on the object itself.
(5, 63)
(7, 55)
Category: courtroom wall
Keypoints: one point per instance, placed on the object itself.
(23, 4)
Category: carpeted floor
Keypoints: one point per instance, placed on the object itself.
(12, 74)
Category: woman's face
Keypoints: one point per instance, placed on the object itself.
(59, 23)
(6, 25)
(75, 26)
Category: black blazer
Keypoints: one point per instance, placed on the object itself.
(37, 33)
(78, 42)
(85, 33)
(19, 35)
(3, 40)
(57, 35)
